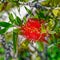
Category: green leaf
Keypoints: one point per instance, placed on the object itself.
(5, 24)
(51, 3)
(34, 1)
(55, 12)
(52, 32)
(26, 54)
(44, 3)
(3, 30)
(36, 16)
(57, 26)
(8, 36)
(41, 14)
(2, 57)
(23, 0)
(6, 27)
(38, 58)
(11, 18)
(24, 19)
(18, 21)
(2, 50)
(39, 46)
(29, 11)
(24, 44)
(54, 38)
(54, 53)
(15, 38)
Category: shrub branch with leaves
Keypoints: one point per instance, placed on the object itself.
(40, 32)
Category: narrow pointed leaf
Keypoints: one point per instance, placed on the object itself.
(5, 24)
(6, 27)
(15, 37)
(11, 18)
(2, 31)
(29, 11)
(24, 19)
(18, 21)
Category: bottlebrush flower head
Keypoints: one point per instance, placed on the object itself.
(32, 30)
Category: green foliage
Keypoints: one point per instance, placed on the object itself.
(8, 36)
(24, 54)
(15, 39)
(35, 16)
(54, 38)
(51, 3)
(1, 5)
(1, 57)
(5, 6)
(11, 18)
(13, 3)
(57, 26)
(23, 0)
(43, 14)
(2, 50)
(51, 17)
(18, 21)
(24, 19)
(24, 45)
(54, 55)
(5, 26)
(15, 21)
(39, 46)
(29, 11)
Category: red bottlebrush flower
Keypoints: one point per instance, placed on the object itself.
(33, 22)
(32, 30)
